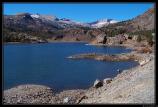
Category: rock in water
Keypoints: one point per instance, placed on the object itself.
(98, 83)
(118, 70)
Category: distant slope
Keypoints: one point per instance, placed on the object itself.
(145, 21)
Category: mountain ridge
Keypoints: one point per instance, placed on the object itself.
(51, 27)
(94, 24)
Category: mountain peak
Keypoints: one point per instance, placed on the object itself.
(102, 22)
(44, 17)
(65, 21)
(35, 16)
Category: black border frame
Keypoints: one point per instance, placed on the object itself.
(85, 1)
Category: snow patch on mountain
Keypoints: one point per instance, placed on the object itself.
(114, 21)
(103, 22)
(35, 16)
(68, 22)
(71, 22)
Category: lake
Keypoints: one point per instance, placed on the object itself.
(46, 64)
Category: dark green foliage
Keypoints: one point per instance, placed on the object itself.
(85, 28)
(113, 31)
(139, 39)
(144, 35)
(149, 38)
(130, 37)
(17, 35)
(138, 27)
(150, 42)
(77, 39)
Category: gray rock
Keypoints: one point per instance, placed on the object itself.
(80, 99)
(107, 80)
(98, 83)
(101, 38)
(118, 70)
(66, 100)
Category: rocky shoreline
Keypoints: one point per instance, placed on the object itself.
(132, 86)
(141, 78)
(104, 91)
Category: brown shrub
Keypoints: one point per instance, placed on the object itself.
(144, 50)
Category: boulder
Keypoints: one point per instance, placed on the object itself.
(120, 38)
(66, 100)
(69, 96)
(107, 80)
(101, 38)
(118, 70)
(81, 98)
(135, 37)
(143, 62)
(126, 36)
(98, 83)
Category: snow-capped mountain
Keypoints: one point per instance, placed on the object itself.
(38, 21)
(63, 22)
(101, 23)
(71, 22)
(44, 17)
(96, 24)
(35, 16)
(23, 26)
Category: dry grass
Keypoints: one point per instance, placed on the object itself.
(144, 50)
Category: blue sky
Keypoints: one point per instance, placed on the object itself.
(83, 12)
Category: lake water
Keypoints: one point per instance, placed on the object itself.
(46, 64)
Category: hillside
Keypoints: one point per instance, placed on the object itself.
(145, 21)
(26, 27)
